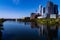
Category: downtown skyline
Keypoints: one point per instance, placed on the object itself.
(21, 8)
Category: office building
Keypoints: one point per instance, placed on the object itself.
(51, 9)
(41, 11)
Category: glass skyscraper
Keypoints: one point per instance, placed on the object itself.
(51, 8)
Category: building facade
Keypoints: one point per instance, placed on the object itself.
(41, 11)
(51, 9)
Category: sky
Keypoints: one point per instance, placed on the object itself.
(21, 8)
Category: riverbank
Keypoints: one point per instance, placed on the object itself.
(50, 21)
(1, 20)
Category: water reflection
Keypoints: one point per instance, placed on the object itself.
(52, 32)
(26, 23)
(49, 32)
(0, 35)
(29, 31)
(1, 28)
(34, 25)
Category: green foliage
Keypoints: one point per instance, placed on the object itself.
(50, 21)
(1, 20)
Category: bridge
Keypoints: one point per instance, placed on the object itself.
(16, 19)
(3, 20)
(10, 19)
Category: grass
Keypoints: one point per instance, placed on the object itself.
(50, 21)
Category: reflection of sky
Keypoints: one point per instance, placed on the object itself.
(20, 8)
(16, 30)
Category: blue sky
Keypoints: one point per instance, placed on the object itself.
(21, 8)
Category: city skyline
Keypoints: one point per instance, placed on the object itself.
(21, 8)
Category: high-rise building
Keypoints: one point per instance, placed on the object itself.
(51, 9)
(40, 10)
(55, 9)
(43, 10)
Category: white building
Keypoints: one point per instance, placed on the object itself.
(53, 15)
(41, 11)
(58, 16)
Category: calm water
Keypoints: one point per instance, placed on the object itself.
(28, 31)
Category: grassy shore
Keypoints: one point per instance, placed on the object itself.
(50, 21)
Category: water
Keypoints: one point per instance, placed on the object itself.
(28, 31)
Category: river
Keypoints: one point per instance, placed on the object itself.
(11, 30)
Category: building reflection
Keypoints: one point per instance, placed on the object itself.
(34, 25)
(39, 26)
(26, 23)
(49, 32)
(52, 32)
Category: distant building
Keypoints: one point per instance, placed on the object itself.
(52, 15)
(34, 15)
(51, 9)
(44, 10)
(58, 16)
(41, 11)
(56, 10)
(27, 18)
